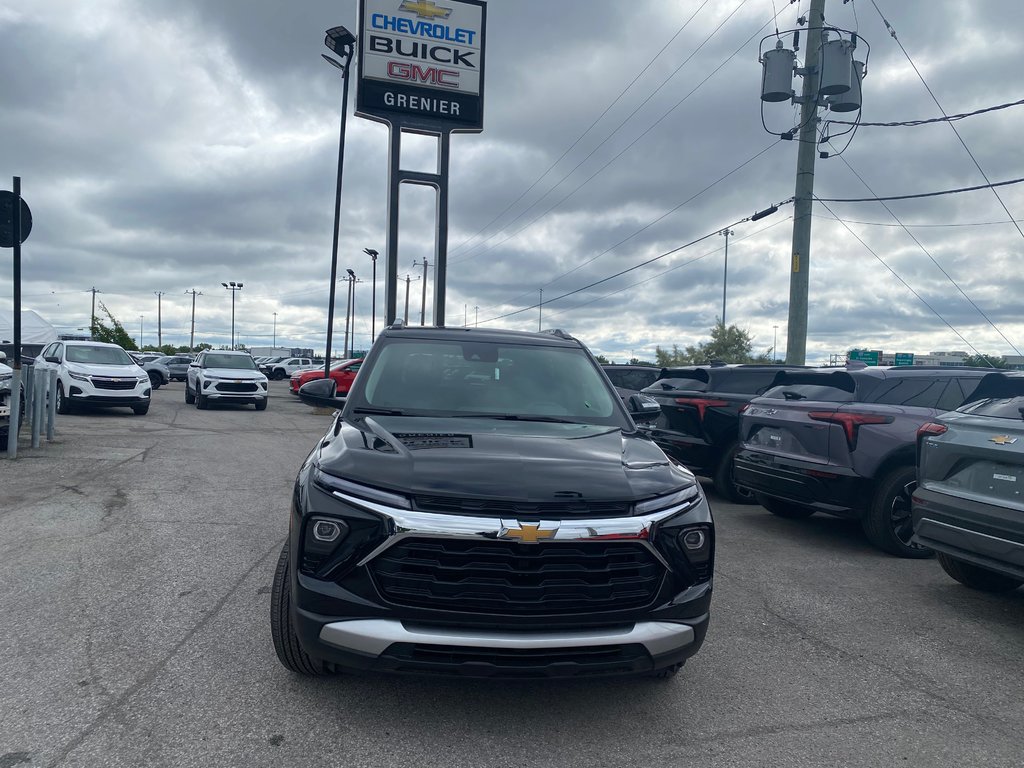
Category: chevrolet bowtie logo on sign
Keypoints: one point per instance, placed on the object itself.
(1003, 439)
(425, 9)
(527, 533)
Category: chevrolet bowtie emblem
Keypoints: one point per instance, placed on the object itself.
(425, 9)
(1003, 439)
(527, 533)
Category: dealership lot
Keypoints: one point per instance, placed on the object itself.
(137, 555)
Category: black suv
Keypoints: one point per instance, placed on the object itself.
(484, 505)
(700, 412)
(843, 441)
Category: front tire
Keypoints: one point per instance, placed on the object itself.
(261, 405)
(201, 401)
(286, 643)
(63, 404)
(887, 522)
(976, 577)
(723, 479)
(190, 399)
(155, 379)
(786, 509)
(140, 410)
(279, 374)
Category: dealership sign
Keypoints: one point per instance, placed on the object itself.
(421, 63)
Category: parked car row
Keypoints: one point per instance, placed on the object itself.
(909, 452)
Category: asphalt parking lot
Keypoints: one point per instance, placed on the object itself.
(136, 554)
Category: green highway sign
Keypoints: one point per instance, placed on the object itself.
(904, 358)
(866, 356)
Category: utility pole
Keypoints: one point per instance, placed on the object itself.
(775, 343)
(275, 332)
(423, 304)
(540, 309)
(725, 273)
(192, 334)
(159, 319)
(348, 310)
(140, 332)
(476, 309)
(408, 279)
(92, 317)
(799, 280)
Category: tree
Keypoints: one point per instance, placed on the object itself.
(113, 333)
(602, 359)
(728, 344)
(985, 361)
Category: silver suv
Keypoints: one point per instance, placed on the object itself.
(225, 376)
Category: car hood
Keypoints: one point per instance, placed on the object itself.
(233, 373)
(486, 458)
(90, 369)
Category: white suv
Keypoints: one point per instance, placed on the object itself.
(95, 373)
(225, 376)
(283, 369)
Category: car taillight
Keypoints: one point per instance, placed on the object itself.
(743, 408)
(701, 404)
(930, 428)
(850, 422)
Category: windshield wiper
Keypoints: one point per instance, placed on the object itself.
(381, 411)
(512, 417)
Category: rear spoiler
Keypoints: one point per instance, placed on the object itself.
(838, 379)
(997, 385)
(698, 374)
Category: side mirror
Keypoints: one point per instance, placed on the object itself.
(321, 393)
(643, 408)
(52, 359)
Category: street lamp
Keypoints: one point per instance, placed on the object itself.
(348, 309)
(234, 288)
(725, 272)
(342, 42)
(775, 341)
(275, 332)
(373, 302)
(140, 332)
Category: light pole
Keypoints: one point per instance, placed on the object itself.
(342, 42)
(140, 332)
(540, 309)
(775, 341)
(234, 288)
(275, 332)
(348, 308)
(373, 302)
(159, 318)
(725, 271)
(423, 304)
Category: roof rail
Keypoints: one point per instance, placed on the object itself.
(559, 333)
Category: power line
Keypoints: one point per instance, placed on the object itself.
(920, 226)
(990, 185)
(977, 165)
(905, 283)
(588, 130)
(943, 119)
(936, 263)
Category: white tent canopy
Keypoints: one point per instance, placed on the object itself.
(34, 329)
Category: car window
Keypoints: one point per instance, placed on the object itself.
(239, 362)
(998, 407)
(915, 391)
(813, 392)
(954, 395)
(49, 351)
(97, 355)
(490, 378)
(694, 385)
(742, 381)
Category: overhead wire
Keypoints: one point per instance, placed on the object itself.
(922, 195)
(929, 121)
(904, 282)
(933, 260)
(892, 33)
(588, 130)
(914, 225)
(612, 159)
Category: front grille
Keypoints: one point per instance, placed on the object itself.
(515, 662)
(498, 577)
(114, 383)
(453, 505)
(230, 386)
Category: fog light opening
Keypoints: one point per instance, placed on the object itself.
(326, 531)
(693, 540)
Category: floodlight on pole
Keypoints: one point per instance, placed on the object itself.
(342, 42)
(373, 301)
(234, 288)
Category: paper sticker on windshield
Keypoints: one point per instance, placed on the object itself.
(1007, 478)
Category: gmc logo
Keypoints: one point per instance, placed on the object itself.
(449, 78)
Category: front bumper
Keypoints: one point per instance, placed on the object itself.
(234, 391)
(346, 611)
(983, 534)
(85, 393)
(825, 487)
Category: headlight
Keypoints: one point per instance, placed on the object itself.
(346, 488)
(78, 376)
(681, 499)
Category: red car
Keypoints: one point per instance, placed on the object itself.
(343, 372)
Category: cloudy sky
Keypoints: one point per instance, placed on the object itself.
(170, 146)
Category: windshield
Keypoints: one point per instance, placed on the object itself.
(97, 355)
(243, 362)
(491, 380)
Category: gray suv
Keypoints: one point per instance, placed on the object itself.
(843, 441)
